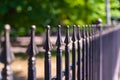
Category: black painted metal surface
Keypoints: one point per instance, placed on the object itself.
(32, 51)
(94, 54)
(7, 56)
(47, 48)
(74, 52)
(59, 54)
(67, 55)
(79, 52)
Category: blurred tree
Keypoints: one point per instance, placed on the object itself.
(21, 14)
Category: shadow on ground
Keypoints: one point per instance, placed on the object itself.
(17, 76)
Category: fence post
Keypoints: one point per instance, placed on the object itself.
(47, 48)
(101, 55)
(7, 56)
(67, 55)
(59, 54)
(74, 53)
(32, 51)
(79, 52)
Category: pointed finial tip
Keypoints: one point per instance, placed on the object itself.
(7, 27)
(99, 20)
(33, 27)
(68, 26)
(78, 26)
(59, 26)
(83, 26)
(74, 25)
(48, 26)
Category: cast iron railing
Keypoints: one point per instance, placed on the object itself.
(88, 53)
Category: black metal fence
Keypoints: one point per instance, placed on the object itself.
(94, 51)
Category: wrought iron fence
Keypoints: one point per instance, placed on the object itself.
(94, 54)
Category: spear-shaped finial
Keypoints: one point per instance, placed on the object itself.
(48, 45)
(78, 32)
(87, 30)
(32, 48)
(74, 33)
(67, 38)
(99, 21)
(59, 37)
(7, 56)
(83, 32)
(90, 30)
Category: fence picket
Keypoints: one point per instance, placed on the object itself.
(47, 48)
(7, 56)
(59, 54)
(67, 55)
(83, 53)
(90, 53)
(74, 53)
(32, 51)
(79, 53)
(87, 51)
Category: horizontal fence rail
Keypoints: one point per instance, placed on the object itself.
(91, 53)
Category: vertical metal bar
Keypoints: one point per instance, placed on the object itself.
(83, 54)
(93, 45)
(86, 49)
(7, 56)
(101, 54)
(74, 53)
(59, 54)
(67, 55)
(32, 51)
(47, 48)
(87, 53)
(79, 53)
(95, 53)
(90, 52)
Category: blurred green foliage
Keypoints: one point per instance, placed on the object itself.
(21, 14)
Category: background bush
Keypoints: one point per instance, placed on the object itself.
(21, 14)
